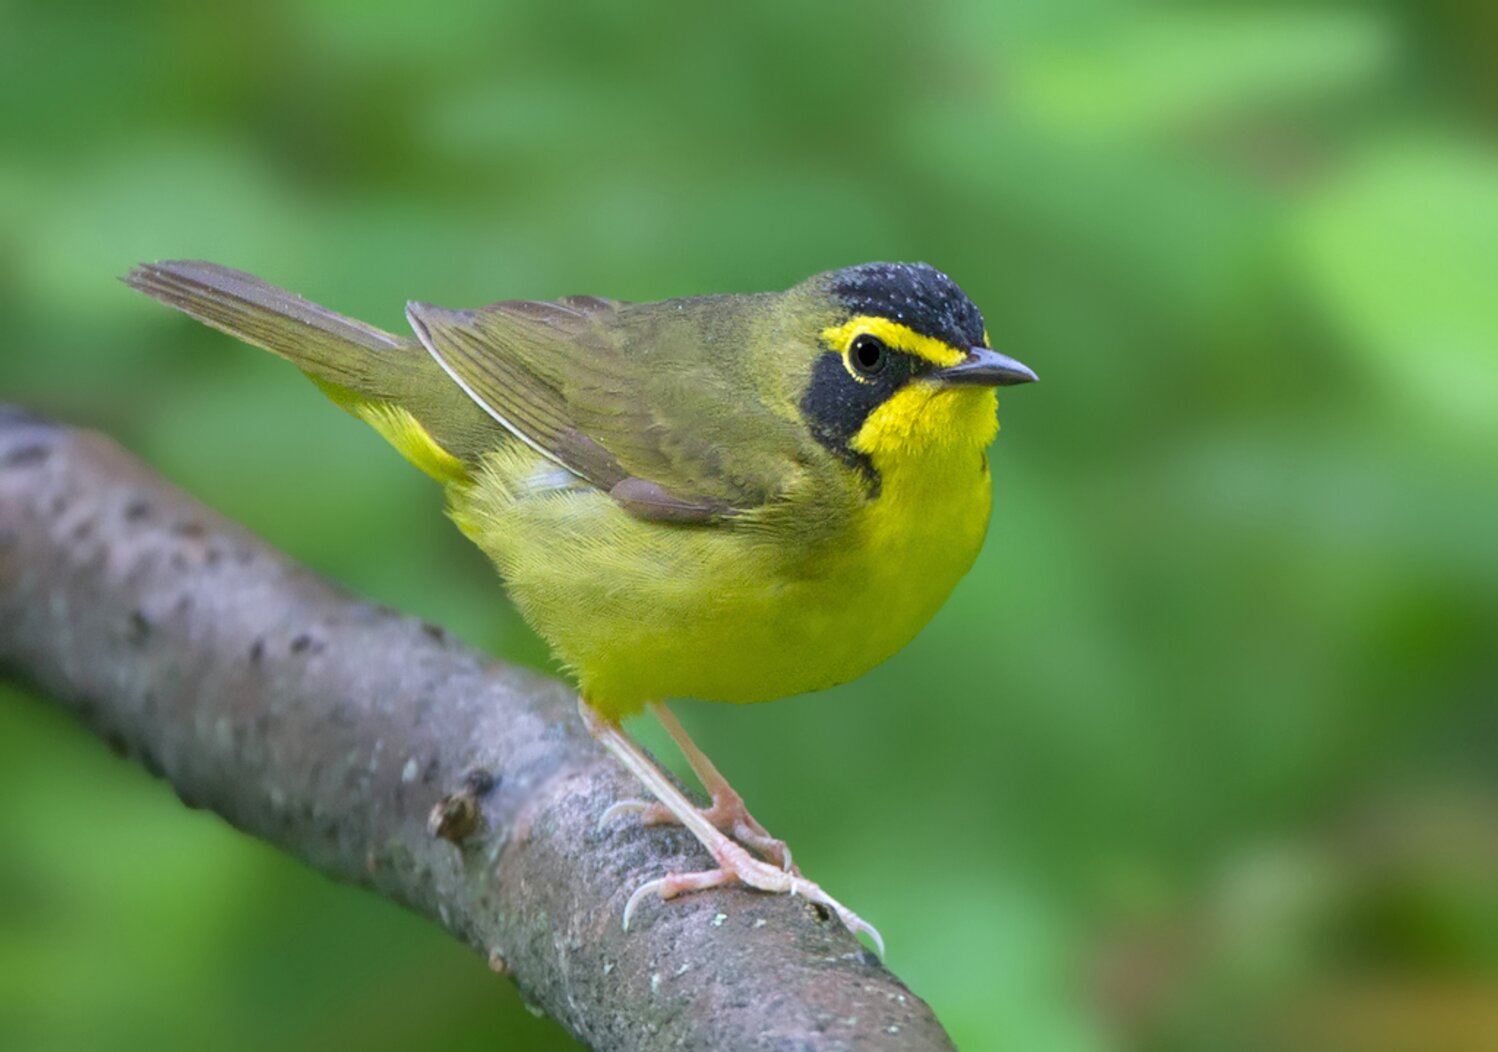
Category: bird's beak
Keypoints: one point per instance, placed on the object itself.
(986, 368)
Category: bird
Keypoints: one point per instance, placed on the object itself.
(734, 498)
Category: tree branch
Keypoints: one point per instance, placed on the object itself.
(384, 753)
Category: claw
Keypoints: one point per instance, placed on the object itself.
(726, 816)
(624, 807)
(674, 884)
(737, 866)
(858, 926)
(773, 848)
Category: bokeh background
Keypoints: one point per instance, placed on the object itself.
(1201, 754)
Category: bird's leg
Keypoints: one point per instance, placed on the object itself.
(727, 812)
(735, 864)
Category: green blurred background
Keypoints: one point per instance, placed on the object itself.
(1201, 754)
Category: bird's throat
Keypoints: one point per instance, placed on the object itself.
(924, 425)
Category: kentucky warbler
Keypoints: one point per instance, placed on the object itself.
(733, 498)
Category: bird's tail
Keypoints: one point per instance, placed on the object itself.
(389, 382)
(322, 343)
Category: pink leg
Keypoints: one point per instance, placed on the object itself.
(735, 865)
(727, 812)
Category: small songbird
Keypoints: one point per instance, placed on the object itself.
(732, 498)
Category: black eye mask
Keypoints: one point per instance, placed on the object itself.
(837, 403)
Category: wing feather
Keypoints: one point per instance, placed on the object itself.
(633, 403)
(664, 406)
(492, 354)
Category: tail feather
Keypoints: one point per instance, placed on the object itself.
(323, 343)
(388, 381)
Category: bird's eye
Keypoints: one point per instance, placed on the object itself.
(868, 354)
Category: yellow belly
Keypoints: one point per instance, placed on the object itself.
(643, 611)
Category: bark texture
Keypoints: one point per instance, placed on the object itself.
(383, 752)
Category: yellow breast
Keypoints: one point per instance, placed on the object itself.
(644, 611)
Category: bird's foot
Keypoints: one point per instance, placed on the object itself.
(736, 865)
(727, 814)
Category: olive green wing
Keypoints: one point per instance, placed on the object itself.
(619, 395)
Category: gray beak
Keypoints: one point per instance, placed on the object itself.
(985, 368)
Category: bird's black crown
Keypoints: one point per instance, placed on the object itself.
(914, 294)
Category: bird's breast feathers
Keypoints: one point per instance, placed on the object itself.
(642, 611)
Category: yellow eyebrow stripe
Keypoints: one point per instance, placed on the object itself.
(896, 336)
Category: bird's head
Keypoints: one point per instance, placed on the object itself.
(902, 367)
